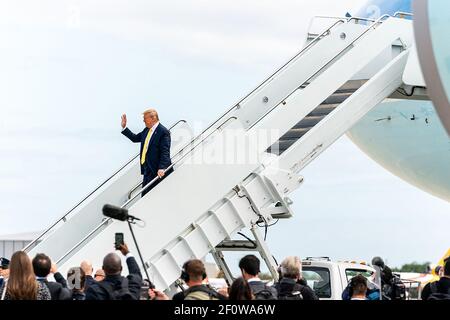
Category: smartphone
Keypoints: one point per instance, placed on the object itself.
(119, 239)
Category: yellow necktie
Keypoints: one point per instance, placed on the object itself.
(144, 151)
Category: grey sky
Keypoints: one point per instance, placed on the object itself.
(71, 68)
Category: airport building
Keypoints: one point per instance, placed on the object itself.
(15, 242)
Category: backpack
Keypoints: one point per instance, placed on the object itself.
(436, 294)
(201, 293)
(263, 292)
(293, 295)
(290, 291)
(122, 293)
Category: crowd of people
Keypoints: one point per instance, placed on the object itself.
(23, 278)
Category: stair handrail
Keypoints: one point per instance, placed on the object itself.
(297, 55)
(348, 19)
(134, 189)
(311, 44)
(234, 106)
(369, 28)
(64, 217)
(107, 220)
(372, 26)
(402, 13)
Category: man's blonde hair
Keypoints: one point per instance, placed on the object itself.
(152, 112)
(291, 267)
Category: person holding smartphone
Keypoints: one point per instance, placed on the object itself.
(115, 286)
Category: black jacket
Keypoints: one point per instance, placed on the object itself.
(77, 295)
(286, 286)
(257, 286)
(58, 290)
(386, 276)
(443, 287)
(89, 280)
(97, 292)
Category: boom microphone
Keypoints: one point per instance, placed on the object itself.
(117, 213)
(121, 214)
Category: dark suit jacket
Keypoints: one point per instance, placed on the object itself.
(58, 290)
(89, 280)
(158, 153)
(96, 292)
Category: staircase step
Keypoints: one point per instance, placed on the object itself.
(236, 245)
(351, 86)
(317, 115)
(295, 134)
(336, 98)
(322, 110)
(282, 216)
(309, 121)
(345, 91)
(281, 145)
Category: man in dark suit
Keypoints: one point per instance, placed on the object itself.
(115, 286)
(42, 267)
(155, 147)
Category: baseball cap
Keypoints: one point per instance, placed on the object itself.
(4, 263)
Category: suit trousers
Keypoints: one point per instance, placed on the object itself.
(148, 178)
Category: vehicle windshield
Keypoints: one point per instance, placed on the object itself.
(319, 280)
(350, 273)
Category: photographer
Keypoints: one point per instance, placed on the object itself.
(115, 286)
(392, 287)
(76, 278)
(193, 274)
(439, 290)
(43, 267)
(386, 272)
(86, 267)
(290, 286)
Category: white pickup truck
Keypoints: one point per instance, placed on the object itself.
(329, 279)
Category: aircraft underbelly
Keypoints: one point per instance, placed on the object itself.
(408, 139)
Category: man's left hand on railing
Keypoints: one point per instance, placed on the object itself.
(161, 173)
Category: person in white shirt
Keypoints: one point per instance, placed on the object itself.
(358, 285)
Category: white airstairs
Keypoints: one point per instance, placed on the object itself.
(238, 173)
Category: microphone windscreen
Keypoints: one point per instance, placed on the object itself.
(115, 212)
